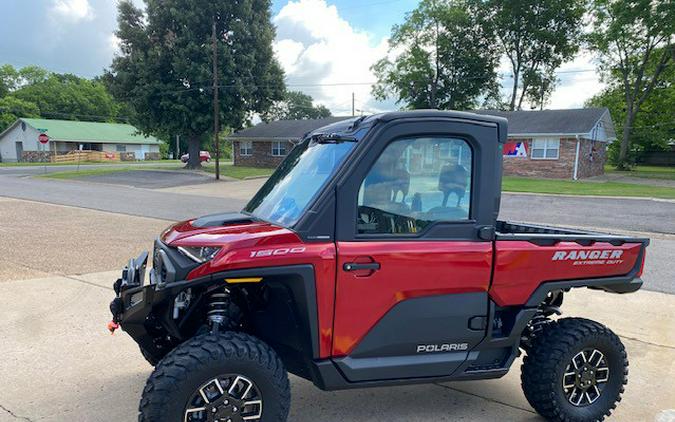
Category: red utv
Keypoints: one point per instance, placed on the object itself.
(373, 256)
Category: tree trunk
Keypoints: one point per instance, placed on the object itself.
(514, 92)
(623, 163)
(193, 150)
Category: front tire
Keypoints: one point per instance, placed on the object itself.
(231, 376)
(575, 371)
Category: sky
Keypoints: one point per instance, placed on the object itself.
(328, 42)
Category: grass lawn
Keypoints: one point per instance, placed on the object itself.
(130, 163)
(522, 184)
(648, 172)
(226, 170)
(238, 172)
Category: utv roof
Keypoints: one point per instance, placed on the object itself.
(352, 124)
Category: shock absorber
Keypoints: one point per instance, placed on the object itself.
(222, 313)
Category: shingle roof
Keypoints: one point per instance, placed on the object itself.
(286, 129)
(523, 122)
(91, 132)
(572, 121)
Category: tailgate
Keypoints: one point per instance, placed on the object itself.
(522, 266)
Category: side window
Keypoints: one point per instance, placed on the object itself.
(245, 148)
(414, 183)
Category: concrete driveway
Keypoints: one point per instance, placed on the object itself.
(59, 363)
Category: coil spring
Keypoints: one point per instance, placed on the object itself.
(217, 308)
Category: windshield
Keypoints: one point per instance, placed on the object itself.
(287, 193)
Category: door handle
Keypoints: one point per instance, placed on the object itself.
(355, 266)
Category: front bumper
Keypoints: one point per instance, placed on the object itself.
(140, 308)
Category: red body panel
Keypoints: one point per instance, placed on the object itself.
(408, 269)
(522, 266)
(349, 304)
(241, 246)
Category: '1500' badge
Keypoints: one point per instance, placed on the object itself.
(276, 252)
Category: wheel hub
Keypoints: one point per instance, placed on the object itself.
(585, 377)
(227, 398)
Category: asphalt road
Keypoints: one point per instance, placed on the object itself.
(608, 213)
(601, 214)
(151, 179)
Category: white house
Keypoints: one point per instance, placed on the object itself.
(19, 142)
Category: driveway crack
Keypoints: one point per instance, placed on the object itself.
(524, 409)
(15, 416)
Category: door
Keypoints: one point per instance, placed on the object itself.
(19, 151)
(411, 293)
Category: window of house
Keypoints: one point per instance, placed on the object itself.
(278, 148)
(120, 148)
(245, 148)
(414, 183)
(545, 149)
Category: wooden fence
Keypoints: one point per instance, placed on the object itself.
(76, 155)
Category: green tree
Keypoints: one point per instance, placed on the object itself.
(12, 79)
(295, 105)
(13, 108)
(164, 71)
(633, 40)
(445, 59)
(536, 36)
(69, 97)
(653, 127)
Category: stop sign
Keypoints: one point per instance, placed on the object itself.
(43, 138)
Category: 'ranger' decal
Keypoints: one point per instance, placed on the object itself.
(589, 256)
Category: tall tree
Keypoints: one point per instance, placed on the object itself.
(633, 40)
(164, 71)
(653, 126)
(69, 97)
(295, 105)
(12, 108)
(12, 79)
(445, 58)
(536, 36)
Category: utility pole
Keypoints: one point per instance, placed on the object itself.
(216, 111)
(177, 147)
(352, 103)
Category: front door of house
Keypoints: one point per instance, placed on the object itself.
(19, 151)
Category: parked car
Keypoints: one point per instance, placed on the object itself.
(350, 268)
(204, 156)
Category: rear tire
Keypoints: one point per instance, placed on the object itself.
(575, 371)
(220, 368)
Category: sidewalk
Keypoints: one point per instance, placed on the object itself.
(60, 363)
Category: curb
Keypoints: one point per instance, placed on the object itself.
(567, 195)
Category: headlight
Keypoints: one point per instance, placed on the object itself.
(199, 254)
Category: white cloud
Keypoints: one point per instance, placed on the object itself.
(316, 46)
(73, 10)
(577, 83)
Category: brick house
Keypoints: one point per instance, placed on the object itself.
(563, 144)
(266, 144)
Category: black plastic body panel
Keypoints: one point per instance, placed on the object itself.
(288, 320)
(389, 350)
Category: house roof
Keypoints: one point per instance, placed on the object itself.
(90, 132)
(284, 129)
(581, 121)
(577, 121)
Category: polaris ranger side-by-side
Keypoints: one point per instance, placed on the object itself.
(373, 256)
